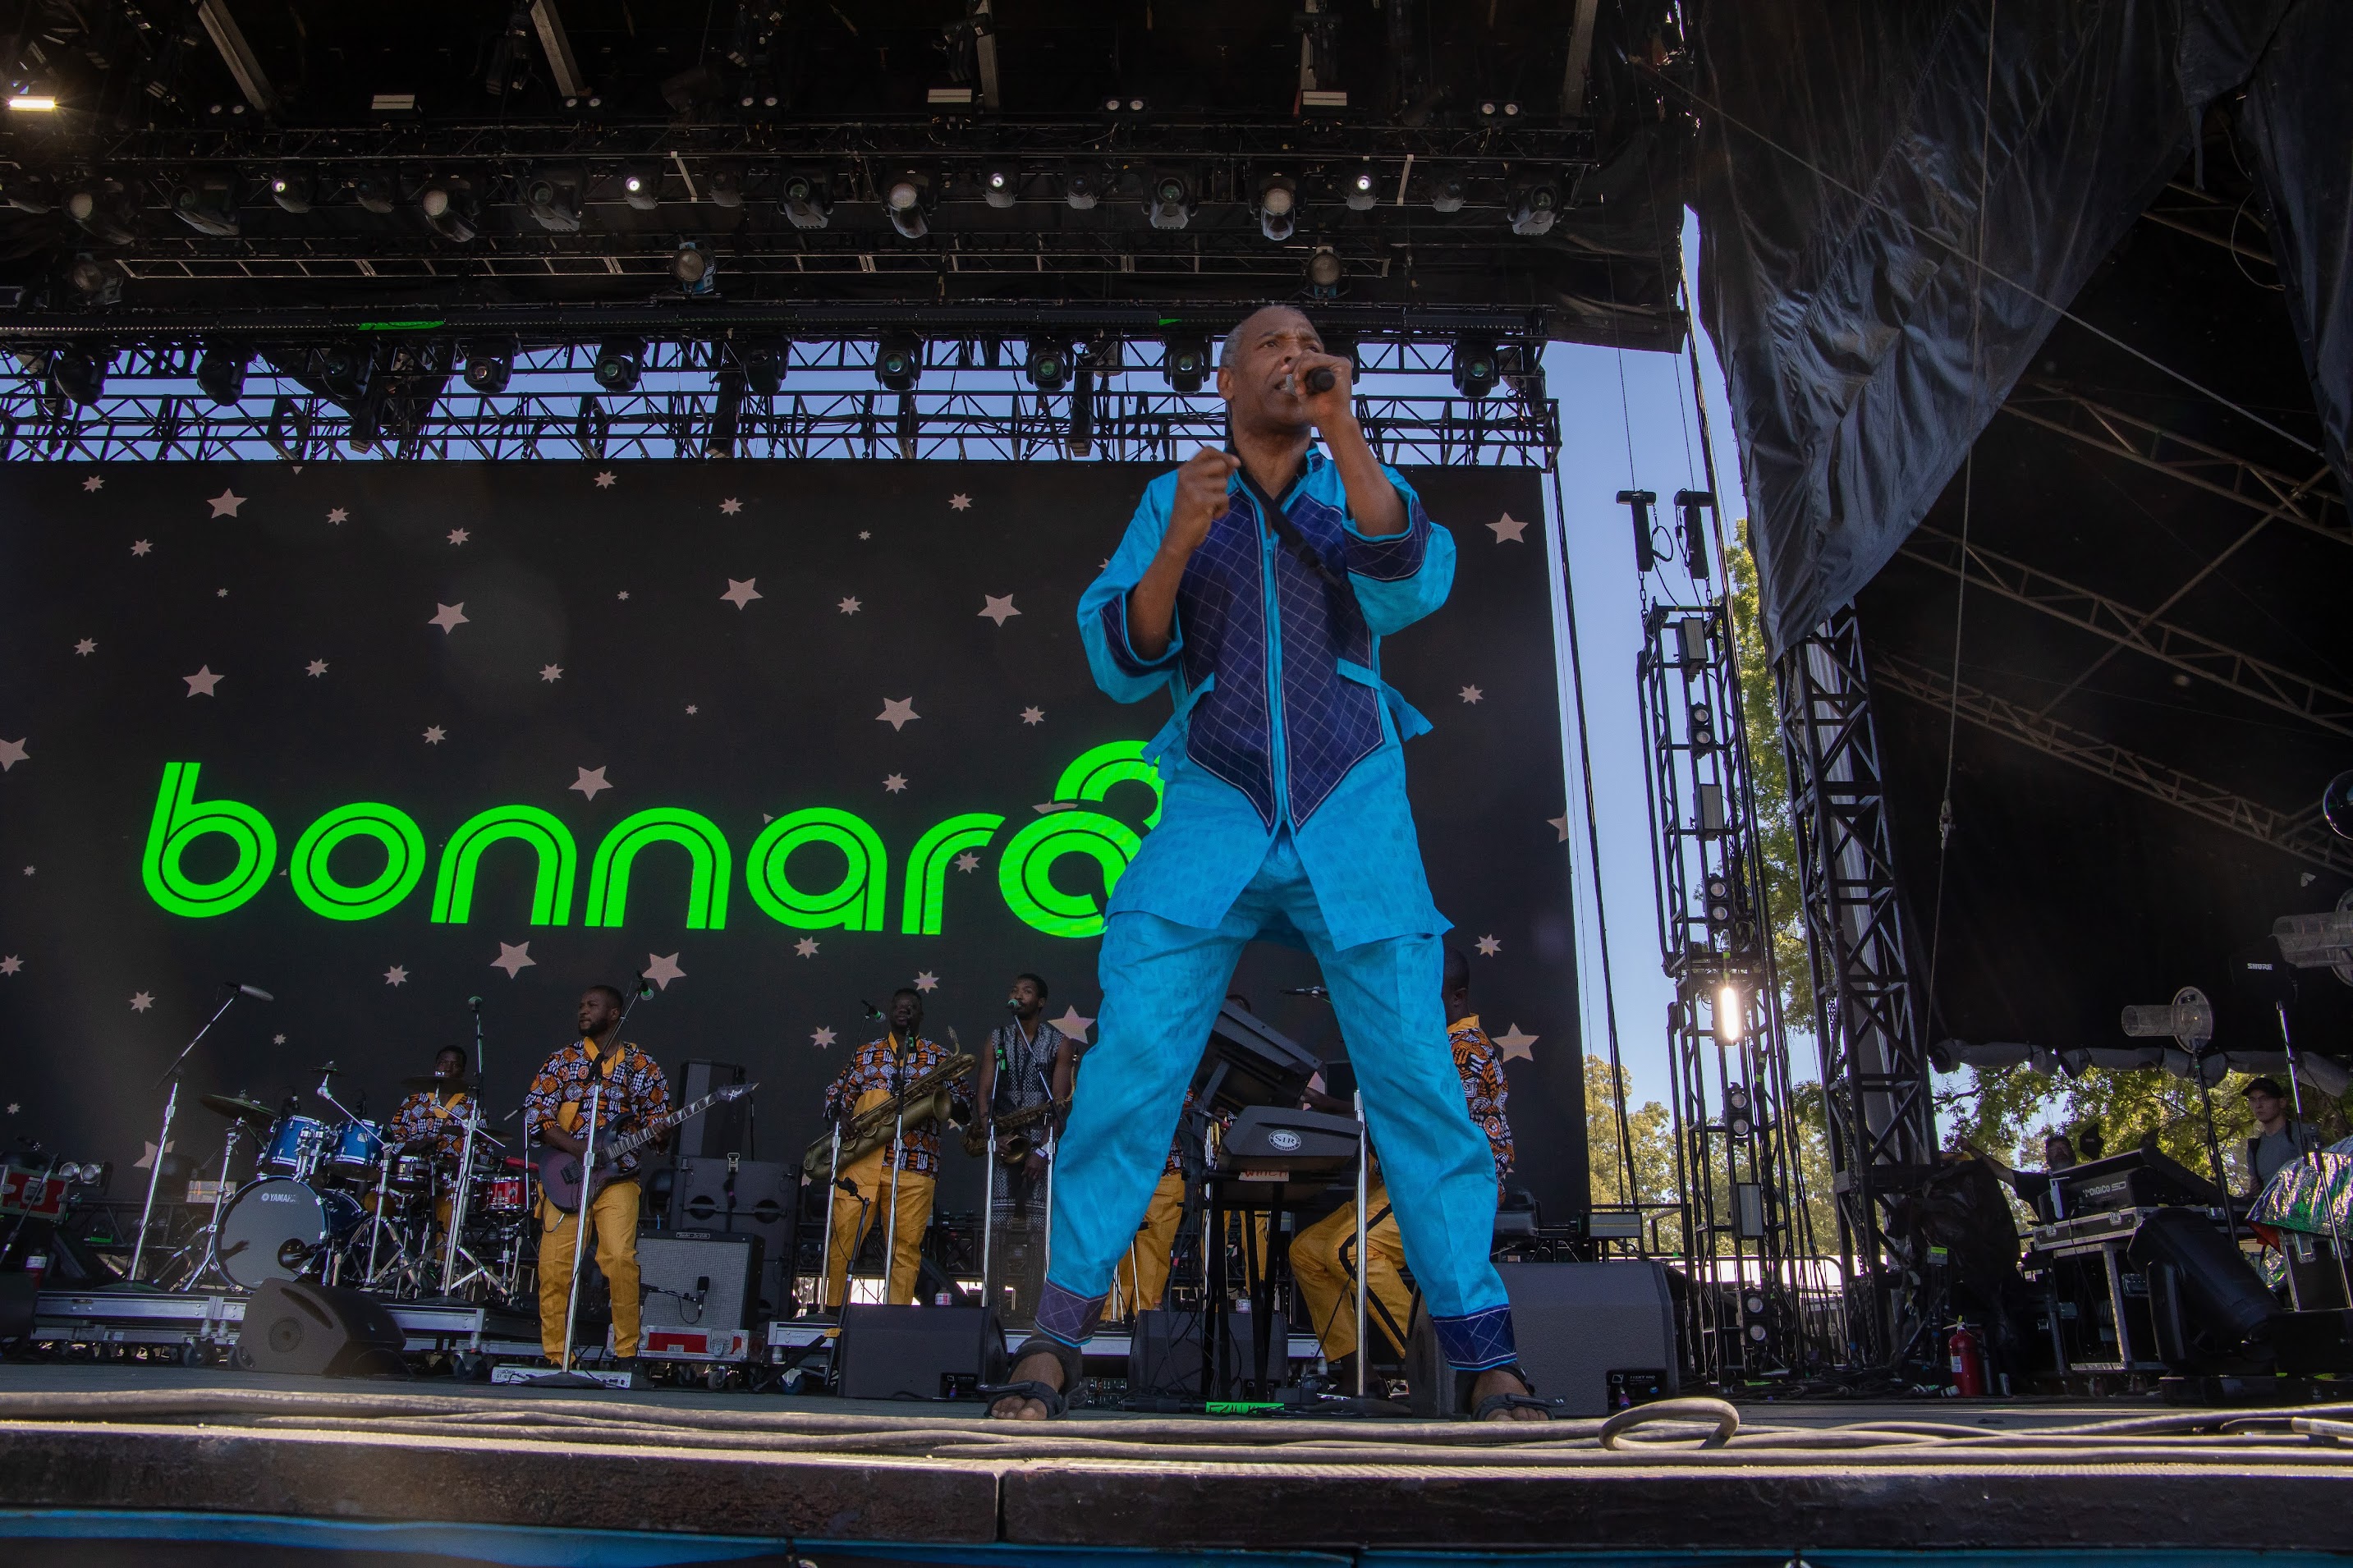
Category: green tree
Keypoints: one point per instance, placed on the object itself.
(2006, 1112)
(1808, 1135)
(1651, 1130)
(1769, 766)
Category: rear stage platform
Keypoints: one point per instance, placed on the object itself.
(100, 1464)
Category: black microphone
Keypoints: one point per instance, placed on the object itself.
(475, 1002)
(845, 1185)
(256, 992)
(872, 1010)
(1320, 379)
(1013, 1005)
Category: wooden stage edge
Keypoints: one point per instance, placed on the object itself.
(1913, 1476)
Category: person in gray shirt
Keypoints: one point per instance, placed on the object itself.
(2280, 1139)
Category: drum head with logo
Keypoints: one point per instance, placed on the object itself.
(279, 1229)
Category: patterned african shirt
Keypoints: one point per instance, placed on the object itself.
(635, 1094)
(427, 1123)
(1025, 1065)
(1480, 1064)
(873, 1067)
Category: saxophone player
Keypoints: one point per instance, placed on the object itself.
(893, 1184)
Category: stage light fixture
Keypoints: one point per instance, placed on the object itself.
(724, 189)
(79, 374)
(2336, 805)
(1739, 1117)
(104, 212)
(904, 199)
(1185, 360)
(807, 200)
(206, 203)
(1047, 365)
(1278, 206)
(1535, 203)
(290, 189)
(445, 206)
(1498, 111)
(1000, 184)
(899, 360)
(33, 102)
(1731, 1016)
(2187, 1019)
(553, 202)
(766, 362)
(1703, 726)
(1082, 187)
(1324, 272)
(1720, 908)
(1363, 190)
(220, 372)
(1171, 205)
(28, 193)
(641, 188)
(490, 366)
(1447, 192)
(618, 362)
(373, 190)
(1474, 366)
(344, 370)
(694, 269)
(94, 280)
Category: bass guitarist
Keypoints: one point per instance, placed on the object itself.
(889, 1181)
(634, 1094)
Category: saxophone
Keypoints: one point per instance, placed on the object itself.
(926, 1100)
(1014, 1150)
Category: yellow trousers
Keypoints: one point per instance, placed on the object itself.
(852, 1219)
(613, 1231)
(1322, 1260)
(1144, 1272)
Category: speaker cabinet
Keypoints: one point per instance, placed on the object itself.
(1599, 1335)
(294, 1326)
(1165, 1354)
(699, 1279)
(919, 1352)
(741, 1197)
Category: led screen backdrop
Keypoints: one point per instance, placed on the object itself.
(381, 737)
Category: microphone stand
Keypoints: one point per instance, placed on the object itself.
(899, 1051)
(565, 1377)
(832, 1197)
(164, 1139)
(466, 1162)
(1363, 1270)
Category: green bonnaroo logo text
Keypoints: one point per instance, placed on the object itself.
(540, 841)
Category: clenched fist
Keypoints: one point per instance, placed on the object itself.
(1200, 500)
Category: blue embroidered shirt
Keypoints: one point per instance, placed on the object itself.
(1283, 722)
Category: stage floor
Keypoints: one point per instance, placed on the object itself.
(682, 1476)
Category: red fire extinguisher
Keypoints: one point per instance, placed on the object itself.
(1968, 1361)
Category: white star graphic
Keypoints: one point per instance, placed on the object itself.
(605, 481)
(315, 667)
(849, 606)
(998, 609)
(28, 870)
(661, 969)
(1516, 1043)
(226, 503)
(12, 964)
(146, 1162)
(960, 502)
(434, 734)
(898, 712)
(551, 673)
(1560, 825)
(1489, 947)
(220, 593)
(693, 708)
(12, 753)
(820, 1038)
(458, 536)
(927, 982)
(1074, 1024)
(1508, 528)
(276, 1039)
(590, 781)
(14, 1107)
(1472, 694)
(624, 593)
(514, 957)
(731, 506)
(967, 861)
(1033, 715)
(449, 617)
(742, 593)
(140, 546)
(338, 514)
(865, 533)
(95, 483)
(201, 684)
(396, 976)
(806, 947)
(896, 784)
(85, 648)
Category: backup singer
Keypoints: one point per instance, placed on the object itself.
(881, 1069)
(1029, 1063)
(1323, 1256)
(634, 1095)
(1254, 586)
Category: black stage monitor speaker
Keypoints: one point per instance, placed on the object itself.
(1164, 1356)
(294, 1326)
(919, 1352)
(699, 1279)
(718, 1132)
(1599, 1335)
(753, 1198)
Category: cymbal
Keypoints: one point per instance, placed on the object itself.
(432, 1080)
(240, 1108)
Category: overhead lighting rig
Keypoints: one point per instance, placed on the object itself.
(1474, 366)
(290, 189)
(899, 360)
(807, 199)
(79, 374)
(1047, 364)
(206, 202)
(375, 190)
(1000, 184)
(1362, 189)
(551, 197)
(1534, 202)
(489, 365)
(1084, 186)
(448, 206)
(766, 362)
(1278, 206)
(694, 269)
(906, 200)
(641, 188)
(1447, 192)
(1171, 199)
(620, 362)
(220, 373)
(1185, 360)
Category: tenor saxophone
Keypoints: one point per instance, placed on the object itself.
(1014, 1150)
(926, 1100)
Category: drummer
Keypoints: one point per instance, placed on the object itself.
(432, 1122)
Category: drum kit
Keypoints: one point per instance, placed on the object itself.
(337, 1201)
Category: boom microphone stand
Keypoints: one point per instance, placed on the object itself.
(465, 1160)
(565, 1377)
(171, 1106)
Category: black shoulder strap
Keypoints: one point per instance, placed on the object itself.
(1284, 529)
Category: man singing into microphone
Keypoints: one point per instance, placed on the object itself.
(1255, 587)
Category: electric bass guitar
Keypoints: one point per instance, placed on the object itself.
(562, 1177)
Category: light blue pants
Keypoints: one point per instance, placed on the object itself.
(1162, 984)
